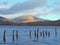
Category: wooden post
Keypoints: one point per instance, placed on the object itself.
(17, 34)
(4, 36)
(35, 34)
(55, 31)
(48, 34)
(30, 33)
(13, 36)
(43, 34)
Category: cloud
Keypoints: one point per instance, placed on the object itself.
(55, 6)
(6, 16)
(2, 6)
(9, 16)
(56, 10)
(36, 11)
(31, 4)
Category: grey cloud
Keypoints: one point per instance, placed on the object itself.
(56, 10)
(29, 5)
(24, 6)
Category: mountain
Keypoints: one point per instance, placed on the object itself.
(25, 19)
(42, 23)
(2, 18)
(28, 21)
(4, 21)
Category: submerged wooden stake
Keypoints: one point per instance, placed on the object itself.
(55, 32)
(17, 34)
(4, 36)
(13, 36)
(30, 33)
(35, 34)
(43, 34)
(48, 34)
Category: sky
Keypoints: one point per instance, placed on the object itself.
(45, 9)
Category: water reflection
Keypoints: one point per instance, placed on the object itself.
(30, 35)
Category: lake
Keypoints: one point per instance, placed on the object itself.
(30, 35)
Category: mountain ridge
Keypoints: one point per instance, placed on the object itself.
(25, 19)
(5, 21)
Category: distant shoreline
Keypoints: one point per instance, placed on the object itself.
(29, 25)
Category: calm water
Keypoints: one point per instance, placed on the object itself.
(23, 35)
